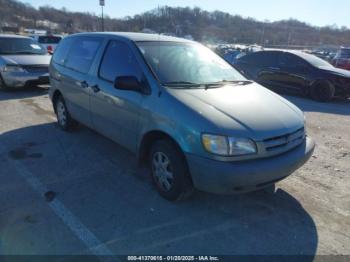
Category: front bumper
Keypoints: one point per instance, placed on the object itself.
(22, 79)
(244, 176)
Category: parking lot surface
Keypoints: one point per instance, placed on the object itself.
(80, 193)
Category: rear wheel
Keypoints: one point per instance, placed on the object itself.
(169, 171)
(322, 91)
(64, 119)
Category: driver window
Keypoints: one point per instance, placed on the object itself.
(119, 60)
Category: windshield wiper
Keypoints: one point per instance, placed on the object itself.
(224, 82)
(236, 82)
(181, 83)
(187, 84)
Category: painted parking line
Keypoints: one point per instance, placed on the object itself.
(95, 246)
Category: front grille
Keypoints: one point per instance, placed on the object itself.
(36, 68)
(285, 142)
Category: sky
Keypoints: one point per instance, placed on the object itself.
(315, 12)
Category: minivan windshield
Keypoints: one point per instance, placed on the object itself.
(187, 64)
(18, 46)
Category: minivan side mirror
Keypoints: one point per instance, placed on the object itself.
(128, 83)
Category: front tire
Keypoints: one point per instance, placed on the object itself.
(322, 91)
(64, 119)
(169, 171)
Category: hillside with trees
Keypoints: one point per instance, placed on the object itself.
(211, 27)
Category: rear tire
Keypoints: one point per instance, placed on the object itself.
(322, 91)
(169, 171)
(64, 119)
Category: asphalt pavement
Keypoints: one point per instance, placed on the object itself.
(80, 193)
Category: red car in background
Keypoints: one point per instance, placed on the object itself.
(50, 42)
(342, 59)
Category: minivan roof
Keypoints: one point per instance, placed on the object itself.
(137, 37)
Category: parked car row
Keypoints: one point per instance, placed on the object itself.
(231, 53)
(196, 121)
(342, 59)
(327, 54)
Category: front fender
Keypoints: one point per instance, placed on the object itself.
(186, 138)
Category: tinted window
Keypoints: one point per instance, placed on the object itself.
(82, 53)
(62, 50)
(119, 60)
(262, 58)
(290, 60)
(314, 60)
(20, 46)
(49, 39)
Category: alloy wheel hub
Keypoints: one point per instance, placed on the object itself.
(162, 171)
(61, 113)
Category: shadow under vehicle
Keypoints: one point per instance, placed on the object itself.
(100, 183)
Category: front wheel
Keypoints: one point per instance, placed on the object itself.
(64, 119)
(322, 91)
(169, 171)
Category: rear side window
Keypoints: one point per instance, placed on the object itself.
(61, 52)
(119, 60)
(290, 60)
(49, 39)
(82, 53)
(262, 58)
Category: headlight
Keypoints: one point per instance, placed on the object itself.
(228, 146)
(241, 146)
(13, 68)
(216, 144)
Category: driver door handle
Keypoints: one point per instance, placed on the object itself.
(84, 84)
(95, 88)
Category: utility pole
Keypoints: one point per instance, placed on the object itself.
(289, 37)
(102, 4)
(262, 35)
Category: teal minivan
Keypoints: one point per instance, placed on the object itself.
(187, 114)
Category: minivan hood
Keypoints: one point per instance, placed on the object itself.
(27, 59)
(258, 110)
